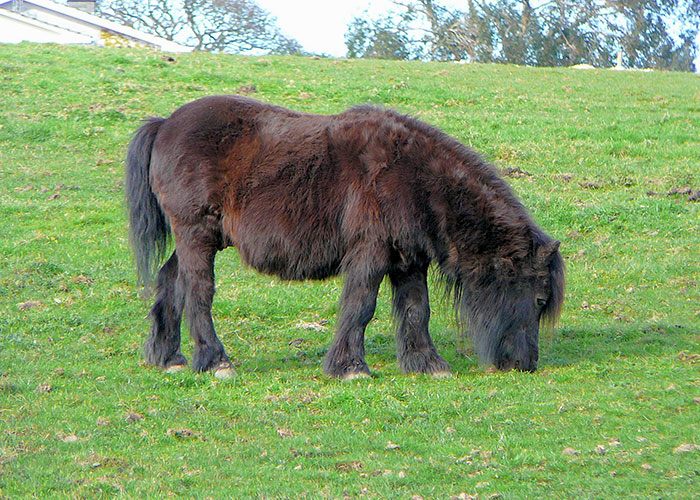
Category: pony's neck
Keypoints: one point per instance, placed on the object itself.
(481, 218)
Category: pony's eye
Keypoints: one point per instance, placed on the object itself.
(541, 302)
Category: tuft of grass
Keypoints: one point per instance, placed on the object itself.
(613, 410)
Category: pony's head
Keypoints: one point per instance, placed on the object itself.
(504, 309)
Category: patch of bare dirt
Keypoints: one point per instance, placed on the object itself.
(690, 193)
(516, 172)
(247, 89)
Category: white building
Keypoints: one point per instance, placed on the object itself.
(43, 21)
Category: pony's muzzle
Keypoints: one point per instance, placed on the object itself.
(522, 358)
(529, 366)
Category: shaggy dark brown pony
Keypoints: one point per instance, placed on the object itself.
(365, 193)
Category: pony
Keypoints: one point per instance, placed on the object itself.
(366, 193)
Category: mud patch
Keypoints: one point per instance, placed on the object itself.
(685, 191)
(590, 184)
(565, 178)
(246, 89)
(515, 172)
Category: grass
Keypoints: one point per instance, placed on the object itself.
(613, 411)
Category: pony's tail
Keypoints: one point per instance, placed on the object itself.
(149, 226)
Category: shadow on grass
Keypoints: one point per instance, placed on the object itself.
(380, 355)
(565, 347)
(569, 346)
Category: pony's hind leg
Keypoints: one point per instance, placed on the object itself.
(415, 349)
(346, 356)
(162, 347)
(196, 251)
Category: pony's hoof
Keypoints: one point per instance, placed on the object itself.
(354, 375)
(223, 371)
(491, 369)
(175, 368)
(426, 361)
(347, 369)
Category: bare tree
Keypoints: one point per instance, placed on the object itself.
(447, 36)
(210, 25)
(386, 37)
(158, 17)
(645, 34)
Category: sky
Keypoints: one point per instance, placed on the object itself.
(320, 25)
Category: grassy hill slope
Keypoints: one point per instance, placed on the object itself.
(603, 160)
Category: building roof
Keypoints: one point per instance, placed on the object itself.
(52, 22)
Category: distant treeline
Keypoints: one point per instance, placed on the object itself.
(656, 34)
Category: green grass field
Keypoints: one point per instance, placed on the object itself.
(601, 158)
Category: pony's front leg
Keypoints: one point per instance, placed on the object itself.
(346, 356)
(196, 252)
(415, 349)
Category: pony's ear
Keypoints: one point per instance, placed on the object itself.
(546, 253)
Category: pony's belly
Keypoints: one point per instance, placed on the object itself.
(292, 261)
